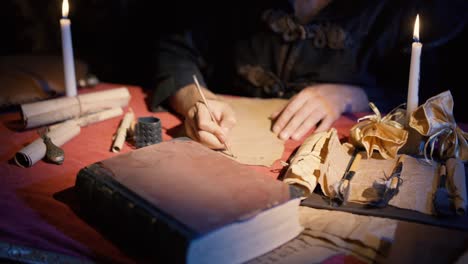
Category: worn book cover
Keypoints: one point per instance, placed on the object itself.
(179, 196)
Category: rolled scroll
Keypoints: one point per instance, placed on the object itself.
(457, 184)
(35, 151)
(122, 131)
(59, 109)
(95, 117)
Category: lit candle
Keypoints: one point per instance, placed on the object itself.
(413, 84)
(67, 51)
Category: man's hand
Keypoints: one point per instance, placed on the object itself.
(199, 125)
(317, 106)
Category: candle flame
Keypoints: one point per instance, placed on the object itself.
(416, 29)
(65, 8)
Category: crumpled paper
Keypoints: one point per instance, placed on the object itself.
(304, 167)
(321, 159)
(435, 120)
(383, 134)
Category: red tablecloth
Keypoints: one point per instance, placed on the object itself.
(38, 205)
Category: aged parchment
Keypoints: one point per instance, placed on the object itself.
(251, 140)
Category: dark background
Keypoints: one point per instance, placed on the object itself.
(117, 38)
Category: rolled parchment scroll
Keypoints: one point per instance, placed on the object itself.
(59, 134)
(59, 109)
(95, 117)
(122, 131)
(35, 151)
(457, 184)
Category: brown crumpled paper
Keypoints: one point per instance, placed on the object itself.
(383, 134)
(304, 167)
(435, 120)
(321, 159)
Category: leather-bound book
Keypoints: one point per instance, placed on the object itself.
(180, 202)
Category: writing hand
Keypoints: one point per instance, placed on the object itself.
(200, 127)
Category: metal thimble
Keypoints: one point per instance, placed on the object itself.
(147, 131)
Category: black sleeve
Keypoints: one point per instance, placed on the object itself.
(202, 45)
(177, 61)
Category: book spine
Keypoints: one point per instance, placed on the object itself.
(125, 218)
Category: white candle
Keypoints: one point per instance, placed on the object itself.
(67, 51)
(413, 84)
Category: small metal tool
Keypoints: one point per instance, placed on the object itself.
(342, 187)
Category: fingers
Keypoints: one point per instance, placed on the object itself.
(205, 123)
(296, 103)
(304, 112)
(311, 121)
(190, 126)
(210, 140)
(274, 115)
(200, 126)
(190, 129)
(225, 116)
(298, 120)
(325, 124)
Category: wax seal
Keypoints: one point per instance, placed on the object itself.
(54, 154)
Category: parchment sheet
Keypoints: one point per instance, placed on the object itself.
(251, 140)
